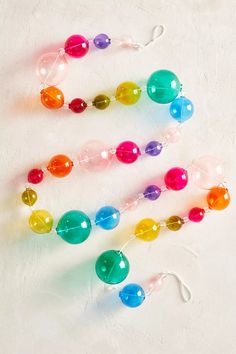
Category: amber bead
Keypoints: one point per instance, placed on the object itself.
(174, 223)
(218, 198)
(52, 97)
(60, 165)
(29, 197)
(101, 101)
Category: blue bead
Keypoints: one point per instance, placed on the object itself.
(132, 295)
(181, 109)
(153, 148)
(107, 217)
(102, 41)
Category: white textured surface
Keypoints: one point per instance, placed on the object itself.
(50, 300)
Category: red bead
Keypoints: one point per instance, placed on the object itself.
(127, 152)
(76, 46)
(78, 105)
(176, 178)
(196, 214)
(35, 176)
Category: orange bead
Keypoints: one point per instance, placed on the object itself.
(60, 165)
(218, 198)
(52, 97)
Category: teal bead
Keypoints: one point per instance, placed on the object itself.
(112, 267)
(163, 86)
(74, 227)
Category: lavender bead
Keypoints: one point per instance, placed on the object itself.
(152, 192)
(102, 41)
(153, 148)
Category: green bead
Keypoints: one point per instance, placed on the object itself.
(101, 102)
(74, 227)
(112, 267)
(163, 86)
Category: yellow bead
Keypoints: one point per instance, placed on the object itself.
(41, 221)
(128, 93)
(147, 230)
(29, 197)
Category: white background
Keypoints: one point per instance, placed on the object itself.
(50, 299)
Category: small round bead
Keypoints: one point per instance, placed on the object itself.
(172, 135)
(102, 41)
(76, 46)
(60, 166)
(101, 102)
(147, 230)
(35, 176)
(112, 267)
(174, 223)
(107, 217)
(51, 68)
(74, 227)
(41, 221)
(130, 203)
(152, 192)
(153, 148)
(128, 93)
(132, 295)
(52, 97)
(127, 152)
(196, 214)
(181, 109)
(94, 156)
(29, 197)
(77, 105)
(176, 178)
(218, 198)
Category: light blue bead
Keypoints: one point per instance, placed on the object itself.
(107, 217)
(132, 295)
(181, 109)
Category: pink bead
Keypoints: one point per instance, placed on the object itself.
(94, 156)
(76, 46)
(51, 68)
(176, 178)
(196, 214)
(131, 203)
(153, 284)
(127, 152)
(172, 135)
(35, 176)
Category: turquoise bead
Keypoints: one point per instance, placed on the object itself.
(107, 217)
(163, 86)
(74, 227)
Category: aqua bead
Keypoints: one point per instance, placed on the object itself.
(74, 227)
(163, 86)
(112, 267)
(181, 109)
(132, 295)
(107, 217)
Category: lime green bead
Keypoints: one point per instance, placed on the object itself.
(147, 230)
(174, 223)
(163, 86)
(41, 221)
(101, 101)
(128, 93)
(29, 197)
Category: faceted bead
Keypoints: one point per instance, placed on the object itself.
(128, 93)
(60, 166)
(147, 230)
(218, 198)
(101, 102)
(181, 109)
(127, 152)
(52, 97)
(163, 86)
(153, 148)
(51, 68)
(107, 217)
(132, 295)
(77, 105)
(94, 156)
(176, 178)
(174, 223)
(196, 214)
(74, 227)
(172, 135)
(29, 197)
(112, 267)
(102, 41)
(41, 221)
(130, 203)
(35, 176)
(152, 192)
(76, 46)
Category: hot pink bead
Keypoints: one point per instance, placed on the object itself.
(76, 46)
(196, 214)
(172, 135)
(176, 178)
(127, 152)
(94, 156)
(35, 176)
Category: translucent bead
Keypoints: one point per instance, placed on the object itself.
(218, 198)
(130, 203)
(35, 176)
(128, 93)
(132, 295)
(94, 156)
(52, 97)
(152, 192)
(102, 41)
(163, 86)
(112, 267)
(196, 214)
(60, 166)
(76, 46)
(41, 221)
(51, 68)
(101, 101)
(29, 197)
(147, 230)
(172, 135)
(107, 217)
(174, 223)
(126, 42)
(181, 109)
(176, 178)
(155, 283)
(77, 105)
(74, 227)
(153, 148)
(127, 152)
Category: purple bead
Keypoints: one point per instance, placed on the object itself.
(153, 148)
(152, 192)
(102, 41)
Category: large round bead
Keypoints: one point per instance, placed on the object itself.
(147, 230)
(52, 97)
(176, 178)
(60, 165)
(41, 221)
(218, 198)
(132, 295)
(76, 46)
(51, 68)
(128, 93)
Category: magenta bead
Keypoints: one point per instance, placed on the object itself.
(127, 152)
(94, 156)
(176, 178)
(76, 46)
(196, 214)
